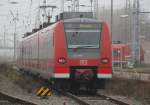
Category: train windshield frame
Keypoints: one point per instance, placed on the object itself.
(83, 35)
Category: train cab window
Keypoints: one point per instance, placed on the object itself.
(84, 37)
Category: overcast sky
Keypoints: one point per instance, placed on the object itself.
(27, 10)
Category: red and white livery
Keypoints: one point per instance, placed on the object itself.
(72, 52)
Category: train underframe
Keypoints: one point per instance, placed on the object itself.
(81, 79)
(79, 87)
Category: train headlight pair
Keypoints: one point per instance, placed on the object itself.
(62, 60)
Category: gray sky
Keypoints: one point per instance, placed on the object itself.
(27, 10)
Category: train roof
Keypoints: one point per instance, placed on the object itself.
(73, 17)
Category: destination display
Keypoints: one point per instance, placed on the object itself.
(82, 25)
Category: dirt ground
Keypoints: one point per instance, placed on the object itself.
(23, 86)
(22, 80)
(26, 84)
(139, 90)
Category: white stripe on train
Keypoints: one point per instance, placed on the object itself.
(61, 75)
(104, 76)
(67, 75)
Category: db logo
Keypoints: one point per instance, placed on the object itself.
(83, 62)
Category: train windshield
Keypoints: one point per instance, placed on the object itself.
(83, 36)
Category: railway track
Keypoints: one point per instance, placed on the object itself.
(9, 100)
(97, 99)
(112, 100)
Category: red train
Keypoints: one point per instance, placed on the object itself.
(122, 54)
(73, 52)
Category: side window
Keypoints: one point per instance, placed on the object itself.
(116, 52)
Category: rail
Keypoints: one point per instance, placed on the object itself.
(84, 101)
(9, 100)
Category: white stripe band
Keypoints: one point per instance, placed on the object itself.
(104, 76)
(61, 75)
(66, 75)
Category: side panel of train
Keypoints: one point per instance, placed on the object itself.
(36, 53)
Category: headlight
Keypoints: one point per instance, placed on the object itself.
(105, 60)
(62, 60)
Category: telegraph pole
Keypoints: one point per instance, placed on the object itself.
(44, 7)
(15, 19)
(112, 28)
(62, 5)
(77, 5)
(112, 19)
(95, 9)
(4, 36)
(136, 32)
(91, 5)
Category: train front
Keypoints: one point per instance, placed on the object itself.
(84, 54)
